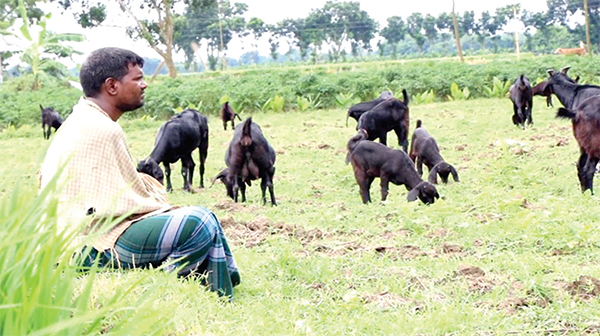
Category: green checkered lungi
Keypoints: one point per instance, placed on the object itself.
(190, 238)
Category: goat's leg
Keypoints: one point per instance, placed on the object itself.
(581, 168)
(383, 138)
(202, 153)
(530, 113)
(243, 190)
(233, 122)
(419, 165)
(48, 132)
(402, 135)
(549, 101)
(168, 176)
(384, 182)
(267, 182)
(590, 169)
(365, 186)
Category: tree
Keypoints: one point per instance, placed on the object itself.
(429, 26)
(211, 23)
(255, 27)
(394, 32)
(341, 22)
(44, 47)
(415, 24)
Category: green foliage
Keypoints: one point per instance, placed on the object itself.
(275, 104)
(457, 94)
(302, 104)
(44, 293)
(498, 89)
(345, 100)
(426, 97)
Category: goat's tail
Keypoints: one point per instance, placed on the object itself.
(419, 123)
(353, 142)
(246, 139)
(565, 114)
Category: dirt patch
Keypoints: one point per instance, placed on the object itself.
(585, 287)
(476, 280)
(398, 233)
(387, 300)
(231, 206)
(460, 148)
(405, 252)
(511, 305)
(527, 205)
(324, 146)
(451, 248)
(258, 230)
(438, 233)
(562, 141)
(485, 218)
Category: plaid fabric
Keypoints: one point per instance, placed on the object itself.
(190, 239)
(99, 175)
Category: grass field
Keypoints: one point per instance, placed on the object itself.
(511, 249)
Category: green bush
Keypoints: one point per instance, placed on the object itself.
(321, 85)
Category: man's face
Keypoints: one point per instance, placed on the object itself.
(131, 90)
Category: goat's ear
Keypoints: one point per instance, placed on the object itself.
(565, 70)
(454, 173)
(405, 96)
(41, 108)
(413, 194)
(433, 175)
(551, 72)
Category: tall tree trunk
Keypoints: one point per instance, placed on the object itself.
(588, 40)
(457, 34)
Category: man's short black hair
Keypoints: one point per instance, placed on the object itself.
(106, 63)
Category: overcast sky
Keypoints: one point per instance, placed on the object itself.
(270, 11)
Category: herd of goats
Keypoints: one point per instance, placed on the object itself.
(250, 156)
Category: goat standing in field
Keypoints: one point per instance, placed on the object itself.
(424, 150)
(227, 114)
(391, 114)
(248, 157)
(355, 111)
(50, 119)
(521, 96)
(582, 106)
(371, 159)
(177, 139)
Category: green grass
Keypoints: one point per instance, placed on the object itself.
(499, 253)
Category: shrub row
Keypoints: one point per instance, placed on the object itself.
(320, 86)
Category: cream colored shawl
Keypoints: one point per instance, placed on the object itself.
(99, 179)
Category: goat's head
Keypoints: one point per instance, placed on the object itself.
(444, 169)
(223, 176)
(150, 166)
(425, 191)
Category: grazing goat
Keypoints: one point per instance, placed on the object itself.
(355, 111)
(542, 89)
(586, 128)
(391, 114)
(50, 118)
(424, 150)
(572, 51)
(177, 139)
(248, 157)
(227, 114)
(370, 159)
(521, 96)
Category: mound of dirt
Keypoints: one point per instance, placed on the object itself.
(586, 287)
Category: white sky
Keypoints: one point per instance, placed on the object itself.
(270, 11)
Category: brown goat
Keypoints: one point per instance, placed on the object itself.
(572, 51)
(586, 128)
(227, 114)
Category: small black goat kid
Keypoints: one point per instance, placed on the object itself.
(50, 119)
(586, 128)
(370, 159)
(391, 114)
(424, 150)
(355, 111)
(177, 139)
(227, 114)
(521, 95)
(248, 157)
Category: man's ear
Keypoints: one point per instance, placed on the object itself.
(111, 86)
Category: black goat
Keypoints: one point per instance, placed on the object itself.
(568, 91)
(391, 114)
(521, 95)
(370, 159)
(355, 111)
(50, 118)
(177, 139)
(227, 114)
(424, 150)
(248, 157)
(542, 89)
